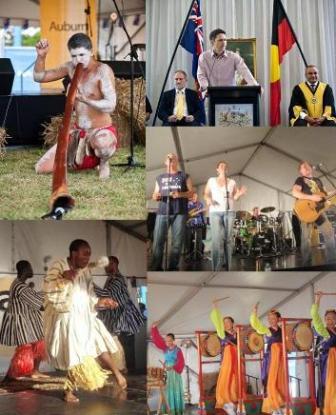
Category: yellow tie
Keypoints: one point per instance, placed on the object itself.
(180, 106)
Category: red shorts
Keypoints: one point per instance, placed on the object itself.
(92, 161)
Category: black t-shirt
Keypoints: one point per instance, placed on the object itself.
(173, 183)
(309, 185)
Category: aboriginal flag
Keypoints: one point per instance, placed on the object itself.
(283, 38)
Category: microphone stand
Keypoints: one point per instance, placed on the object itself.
(165, 268)
(134, 56)
(226, 223)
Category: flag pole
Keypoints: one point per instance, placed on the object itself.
(171, 61)
(294, 34)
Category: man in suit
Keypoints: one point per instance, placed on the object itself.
(312, 103)
(180, 106)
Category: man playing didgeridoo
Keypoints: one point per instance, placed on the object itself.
(93, 138)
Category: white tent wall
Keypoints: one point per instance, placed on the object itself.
(41, 242)
(127, 246)
(244, 19)
(183, 303)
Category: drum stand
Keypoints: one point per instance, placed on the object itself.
(196, 254)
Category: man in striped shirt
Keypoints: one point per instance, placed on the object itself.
(124, 320)
(22, 325)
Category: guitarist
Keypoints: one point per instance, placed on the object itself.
(172, 190)
(195, 224)
(307, 187)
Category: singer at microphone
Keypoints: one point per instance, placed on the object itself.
(311, 203)
(172, 190)
(220, 194)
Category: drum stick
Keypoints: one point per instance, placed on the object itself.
(325, 293)
(162, 363)
(221, 299)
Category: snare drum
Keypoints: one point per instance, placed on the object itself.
(251, 341)
(156, 374)
(299, 337)
(210, 345)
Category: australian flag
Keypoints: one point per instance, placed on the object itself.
(192, 39)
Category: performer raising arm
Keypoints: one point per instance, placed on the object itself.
(227, 383)
(220, 193)
(93, 139)
(327, 355)
(74, 336)
(273, 374)
(174, 365)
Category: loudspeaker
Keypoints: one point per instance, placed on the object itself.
(6, 76)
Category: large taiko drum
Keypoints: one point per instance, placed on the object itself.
(210, 345)
(156, 375)
(299, 337)
(251, 341)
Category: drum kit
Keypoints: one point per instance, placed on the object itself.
(259, 236)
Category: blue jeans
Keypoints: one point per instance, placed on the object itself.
(221, 230)
(329, 240)
(177, 224)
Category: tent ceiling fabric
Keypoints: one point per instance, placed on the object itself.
(244, 290)
(260, 153)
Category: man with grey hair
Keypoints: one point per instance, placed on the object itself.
(180, 106)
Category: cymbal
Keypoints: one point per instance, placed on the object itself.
(267, 209)
(243, 215)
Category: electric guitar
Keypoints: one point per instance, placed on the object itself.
(308, 211)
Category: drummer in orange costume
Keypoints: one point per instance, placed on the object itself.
(273, 374)
(227, 383)
(327, 355)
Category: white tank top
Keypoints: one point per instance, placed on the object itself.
(219, 195)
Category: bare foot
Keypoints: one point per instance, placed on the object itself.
(70, 397)
(121, 381)
(39, 375)
(104, 169)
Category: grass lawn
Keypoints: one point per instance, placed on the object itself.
(25, 195)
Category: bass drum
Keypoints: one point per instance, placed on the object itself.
(210, 345)
(299, 337)
(251, 341)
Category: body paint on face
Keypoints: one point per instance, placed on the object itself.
(81, 55)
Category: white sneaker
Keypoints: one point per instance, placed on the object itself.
(229, 408)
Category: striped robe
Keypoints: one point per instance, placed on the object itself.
(124, 319)
(22, 322)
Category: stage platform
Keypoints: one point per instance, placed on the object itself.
(288, 262)
(27, 112)
(45, 397)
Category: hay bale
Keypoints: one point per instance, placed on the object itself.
(120, 117)
(122, 114)
(3, 141)
(51, 130)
